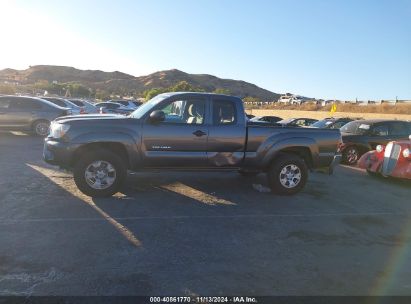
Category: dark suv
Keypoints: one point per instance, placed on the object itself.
(331, 123)
(364, 135)
(28, 114)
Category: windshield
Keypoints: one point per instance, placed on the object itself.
(355, 127)
(286, 121)
(145, 107)
(322, 123)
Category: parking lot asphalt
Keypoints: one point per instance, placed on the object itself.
(174, 233)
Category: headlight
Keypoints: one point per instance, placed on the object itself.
(406, 153)
(379, 148)
(57, 130)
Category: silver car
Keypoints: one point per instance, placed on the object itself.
(88, 107)
(129, 104)
(62, 102)
(28, 114)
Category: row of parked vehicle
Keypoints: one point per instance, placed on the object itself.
(35, 114)
(380, 146)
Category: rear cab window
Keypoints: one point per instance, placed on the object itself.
(224, 112)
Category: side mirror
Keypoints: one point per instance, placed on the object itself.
(157, 116)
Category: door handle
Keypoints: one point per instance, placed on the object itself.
(199, 133)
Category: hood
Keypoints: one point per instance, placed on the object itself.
(89, 117)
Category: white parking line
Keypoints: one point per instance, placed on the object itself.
(177, 217)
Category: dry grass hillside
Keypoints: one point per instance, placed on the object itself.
(310, 110)
(121, 82)
(323, 114)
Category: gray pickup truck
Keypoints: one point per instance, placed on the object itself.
(190, 131)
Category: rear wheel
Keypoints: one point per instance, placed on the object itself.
(99, 173)
(287, 174)
(41, 127)
(351, 155)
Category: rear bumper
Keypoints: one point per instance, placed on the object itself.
(334, 163)
(330, 168)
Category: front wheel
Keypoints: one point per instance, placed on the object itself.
(287, 175)
(99, 173)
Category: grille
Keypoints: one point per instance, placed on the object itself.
(391, 155)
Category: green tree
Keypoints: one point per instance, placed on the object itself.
(102, 94)
(148, 94)
(222, 91)
(182, 86)
(7, 89)
(78, 90)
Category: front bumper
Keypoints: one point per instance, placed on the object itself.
(57, 153)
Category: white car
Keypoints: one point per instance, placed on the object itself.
(65, 103)
(88, 107)
(129, 104)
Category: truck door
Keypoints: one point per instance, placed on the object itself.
(181, 139)
(227, 134)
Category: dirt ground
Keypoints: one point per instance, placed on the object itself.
(321, 114)
(199, 234)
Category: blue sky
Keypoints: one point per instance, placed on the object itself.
(318, 48)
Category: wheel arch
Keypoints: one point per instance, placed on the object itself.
(305, 148)
(300, 151)
(114, 147)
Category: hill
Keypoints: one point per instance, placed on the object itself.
(118, 82)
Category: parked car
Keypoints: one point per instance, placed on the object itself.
(62, 102)
(362, 136)
(113, 107)
(393, 160)
(186, 131)
(129, 104)
(297, 122)
(331, 123)
(266, 119)
(87, 106)
(28, 114)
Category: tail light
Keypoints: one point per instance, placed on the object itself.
(340, 147)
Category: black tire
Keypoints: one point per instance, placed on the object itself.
(351, 155)
(85, 163)
(276, 179)
(247, 173)
(373, 174)
(41, 128)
